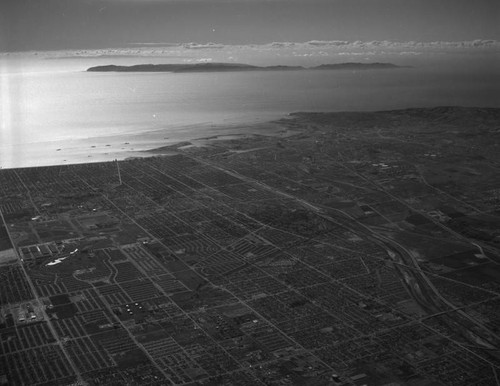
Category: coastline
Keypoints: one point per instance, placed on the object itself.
(172, 140)
(130, 145)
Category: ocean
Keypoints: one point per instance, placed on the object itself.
(57, 113)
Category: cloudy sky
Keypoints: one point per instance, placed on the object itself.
(92, 24)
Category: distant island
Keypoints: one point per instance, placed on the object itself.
(357, 66)
(231, 67)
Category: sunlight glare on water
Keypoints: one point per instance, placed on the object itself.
(72, 110)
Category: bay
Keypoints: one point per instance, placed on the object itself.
(69, 115)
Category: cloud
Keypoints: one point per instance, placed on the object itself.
(326, 43)
(158, 44)
(197, 46)
(393, 44)
(282, 44)
(313, 48)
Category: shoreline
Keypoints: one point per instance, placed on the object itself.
(131, 145)
(157, 143)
